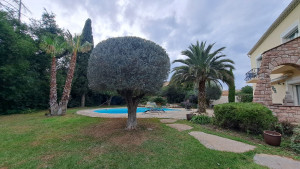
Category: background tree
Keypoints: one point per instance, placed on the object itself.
(213, 92)
(80, 85)
(231, 89)
(19, 73)
(132, 66)
(246, 94)
(173, 93)
(202, 66)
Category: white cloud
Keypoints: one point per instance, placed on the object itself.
(174, 24)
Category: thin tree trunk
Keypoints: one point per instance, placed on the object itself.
(201, 97)
(83, 100)
(53, 89)
(67, 89)
(109, 100)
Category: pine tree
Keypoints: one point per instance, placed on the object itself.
(80, 86)
(231, 92)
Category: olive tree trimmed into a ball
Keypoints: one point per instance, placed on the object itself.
(132, 66)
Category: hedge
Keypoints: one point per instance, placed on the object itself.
(248, 117)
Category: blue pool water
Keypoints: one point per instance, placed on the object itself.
(125, 111)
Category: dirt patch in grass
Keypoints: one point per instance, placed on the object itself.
(113, 131)
(47, 158)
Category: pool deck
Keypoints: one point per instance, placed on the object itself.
(179, 114)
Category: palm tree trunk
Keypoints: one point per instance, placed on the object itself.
(201, 97)
(53, 89)
(68, 84)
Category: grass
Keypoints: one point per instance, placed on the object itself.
(74, 141)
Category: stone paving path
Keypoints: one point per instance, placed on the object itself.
(220, 143)
(276, 162)
(168, 120)
(180, 127)
(223, 144)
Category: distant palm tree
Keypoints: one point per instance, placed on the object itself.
(75, 46)
(56, 46)
(202, 67)
(53, 47)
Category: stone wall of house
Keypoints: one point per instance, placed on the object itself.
(284, 54)
(286, 113)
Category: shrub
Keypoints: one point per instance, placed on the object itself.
(201, 119)
(285, 128)
(249, 117)
(295, 140)
(174, 94)
(244, 97)
(159, 100)
(246, 94)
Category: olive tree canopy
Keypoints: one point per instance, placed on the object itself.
(131, 66)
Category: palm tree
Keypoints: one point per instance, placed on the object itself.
(202, 67)
(75, 46)
(53, 47)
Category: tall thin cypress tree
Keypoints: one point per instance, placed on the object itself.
(231, 92)
(80, 86)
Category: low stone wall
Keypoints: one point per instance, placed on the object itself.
(286, 113)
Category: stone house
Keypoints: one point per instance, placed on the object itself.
(275, 63)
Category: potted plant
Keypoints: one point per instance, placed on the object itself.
(188, 106)
(272, 138)
(189, 116)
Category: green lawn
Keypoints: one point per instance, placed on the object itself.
(74, 141)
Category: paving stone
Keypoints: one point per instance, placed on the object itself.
(168, 120)
(220, 143)
(276, 162)
(180, 127)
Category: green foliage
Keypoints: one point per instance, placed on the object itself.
(247, 89)
(159, 100)
(174, 94)
(295, 140)
(201, 119)
(128, 63)
(246, 94)
(284, 127)
(213, 92)
(249, 117)
(87, 33)
(231, 92)
(22, 72)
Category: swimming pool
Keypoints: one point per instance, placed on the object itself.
(125, 111)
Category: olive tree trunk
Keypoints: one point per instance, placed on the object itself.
(132, 103)
(201, 97)
(131, 121)
(53, 89)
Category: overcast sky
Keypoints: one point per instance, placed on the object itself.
(173, 24)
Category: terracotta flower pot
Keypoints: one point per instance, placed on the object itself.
(272, 138)
(189, 116)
